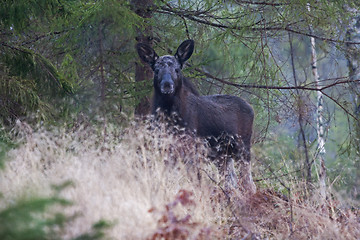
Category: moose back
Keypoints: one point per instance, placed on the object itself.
(216, 117)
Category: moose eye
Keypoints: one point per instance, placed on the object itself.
(177, 70)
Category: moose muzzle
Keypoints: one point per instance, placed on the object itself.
(167, 85)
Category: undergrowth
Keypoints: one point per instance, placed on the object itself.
(149, 183)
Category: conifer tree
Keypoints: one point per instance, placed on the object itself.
(28, 80)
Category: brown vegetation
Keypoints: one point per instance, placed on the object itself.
(131, 179)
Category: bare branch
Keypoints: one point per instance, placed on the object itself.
(299, 87)
(264, 3)
(196, 17)
(337, 103)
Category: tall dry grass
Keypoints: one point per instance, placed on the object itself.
(152, 184)
(118, 175)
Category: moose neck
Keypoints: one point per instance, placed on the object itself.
(169, 104)
(164, 103)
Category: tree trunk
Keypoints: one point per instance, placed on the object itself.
(319, 121)
(353, 58)
(142, 71)
(319, 124)
(308, 163)
(101, 67)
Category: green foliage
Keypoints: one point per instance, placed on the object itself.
(97, 232)
(100, 49)
(25, 64)
(280, 160)
(5, 145)
(29, 83)
(24, 220)
(19, 14)
(69, 69)
(38, 218)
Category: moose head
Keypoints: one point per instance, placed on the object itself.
(168, 78)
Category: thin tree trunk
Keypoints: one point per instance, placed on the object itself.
(102, 77)
(319, 121)
(353, 58)
(101, 66)
(301, 118)
(142, 71)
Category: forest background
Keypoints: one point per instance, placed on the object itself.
(72, 62)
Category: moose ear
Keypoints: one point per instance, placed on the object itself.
(184, 51)
(146, 53)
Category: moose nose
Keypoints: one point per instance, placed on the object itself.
(167, 84)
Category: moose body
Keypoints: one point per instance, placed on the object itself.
(215, 117)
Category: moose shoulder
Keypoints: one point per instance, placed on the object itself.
(212, 117)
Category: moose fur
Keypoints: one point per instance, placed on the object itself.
(222, 119)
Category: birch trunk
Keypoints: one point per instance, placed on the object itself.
(319, 121)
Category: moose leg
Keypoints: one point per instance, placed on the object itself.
(243, 157)
(231, 179)
(246, 181)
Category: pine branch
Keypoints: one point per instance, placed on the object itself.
(46, 71)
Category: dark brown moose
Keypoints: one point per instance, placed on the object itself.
(222, 119)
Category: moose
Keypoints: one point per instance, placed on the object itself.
(221, 119)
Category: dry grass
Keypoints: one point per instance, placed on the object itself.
(146, 182)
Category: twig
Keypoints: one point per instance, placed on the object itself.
(194, 17)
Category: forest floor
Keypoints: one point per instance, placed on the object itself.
(152, 184)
